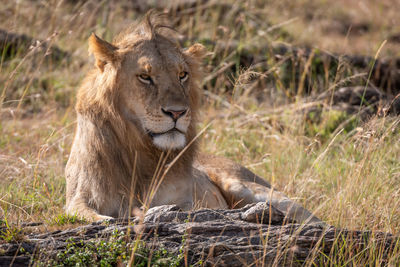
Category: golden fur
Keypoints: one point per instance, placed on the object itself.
(135, 139)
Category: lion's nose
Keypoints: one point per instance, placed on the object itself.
(174, 114)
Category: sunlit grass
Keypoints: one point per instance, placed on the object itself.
(349, 176)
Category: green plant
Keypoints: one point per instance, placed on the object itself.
(10, 233)
(63, 219)
(114, 250)
(324, 123)
(98, 252)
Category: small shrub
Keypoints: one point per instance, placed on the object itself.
(114, 251)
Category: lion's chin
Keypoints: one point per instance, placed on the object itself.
(170, 140)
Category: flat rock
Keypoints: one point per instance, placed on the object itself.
(254, 235)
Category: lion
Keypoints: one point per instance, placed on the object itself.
(135, 144)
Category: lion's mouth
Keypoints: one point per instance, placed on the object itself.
(173, 130)
(174, 138)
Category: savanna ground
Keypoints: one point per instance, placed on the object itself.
(343, 168)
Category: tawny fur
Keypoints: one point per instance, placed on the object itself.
(123, 108)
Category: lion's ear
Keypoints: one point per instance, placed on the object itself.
(197, 51)
(103, 51)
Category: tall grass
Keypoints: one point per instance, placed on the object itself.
(347, 172)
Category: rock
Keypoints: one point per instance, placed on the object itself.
(394, 106)
(262, 213)
(363, 101)
(357, 95)
(166, 213)
(256, 234)
(366, 101)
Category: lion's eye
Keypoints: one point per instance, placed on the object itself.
(183, 76)
(144, 78)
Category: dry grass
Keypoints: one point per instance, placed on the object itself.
(350, 178)
(343, 26)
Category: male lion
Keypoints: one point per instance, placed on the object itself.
(135, 143)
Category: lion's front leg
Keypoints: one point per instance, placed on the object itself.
(205, 193)
(78, 206)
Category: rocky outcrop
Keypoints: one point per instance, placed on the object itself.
(254, 235)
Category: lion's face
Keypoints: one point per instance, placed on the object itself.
(155, 92)
(154, 82)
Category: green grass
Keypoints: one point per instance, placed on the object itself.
(65, 219)
(345, 170)
(115, 250)
(11, 234)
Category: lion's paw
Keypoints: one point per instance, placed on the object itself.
(104, 218)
